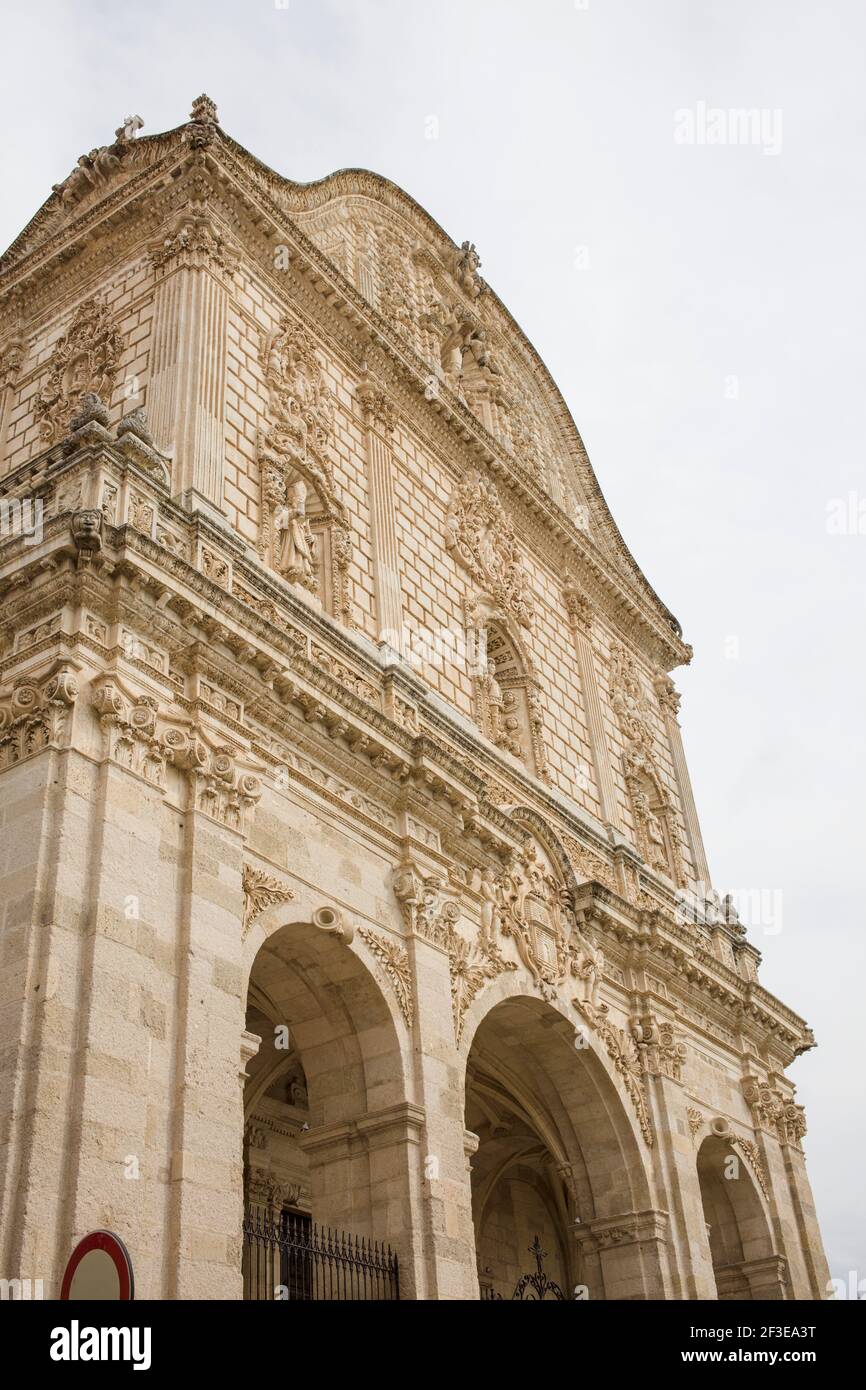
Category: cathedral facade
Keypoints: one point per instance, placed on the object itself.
(352, 878)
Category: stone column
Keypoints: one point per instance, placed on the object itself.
(193, 268)
(449, 1266)
(365, 1178)
(48, 808)
(205, 1208)
(379, 419)
(780, 1126)
(669, 699)
(11, 358)
(675, 1162)
(580, 618)
(630, 1252)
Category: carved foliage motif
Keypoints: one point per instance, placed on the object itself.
(261, 890)
(394, 960)
(623, 1052)
(589, 865)
(756, 1163)
(482, 537)
(695, 1119)
(84, 360)
(430, 914)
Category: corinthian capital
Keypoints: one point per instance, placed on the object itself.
(379, 412)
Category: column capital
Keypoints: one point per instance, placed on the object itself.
(377, 406)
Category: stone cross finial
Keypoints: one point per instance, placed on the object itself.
(204, 110)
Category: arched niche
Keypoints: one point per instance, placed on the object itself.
(506, 697)
(745, 1265)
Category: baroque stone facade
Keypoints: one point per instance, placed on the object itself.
(347, 823)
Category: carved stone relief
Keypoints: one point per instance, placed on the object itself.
(85, 359)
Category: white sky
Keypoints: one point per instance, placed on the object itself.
(705, 263)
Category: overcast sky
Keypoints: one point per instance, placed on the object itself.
(701, 305)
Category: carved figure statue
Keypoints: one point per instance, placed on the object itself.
(296, 558)
(490, 904)
(590, 970)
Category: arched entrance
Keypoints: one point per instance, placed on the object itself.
(558, 1158)
(745, 1265)
(326, 1187)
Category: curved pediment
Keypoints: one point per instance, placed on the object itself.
(427, 290)
(430, 291)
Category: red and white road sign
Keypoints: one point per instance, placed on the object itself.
(99, 1268)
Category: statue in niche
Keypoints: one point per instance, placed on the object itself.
(655, 839)
(590, 971)
(495, 700)
(296, 545)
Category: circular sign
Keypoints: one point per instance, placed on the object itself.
(99, 1268)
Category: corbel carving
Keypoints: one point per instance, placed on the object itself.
(144, 739)
(662, 1053)
(36, 715)
(136, 443)
(87, 530)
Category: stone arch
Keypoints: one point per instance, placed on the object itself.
(745, 1265)
(529, 820)
(328, 1131)
(555, 1135)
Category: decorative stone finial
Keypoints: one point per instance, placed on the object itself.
(137, 443)
(91, 411)
(136, 423)
(204, 111)
(129, 129)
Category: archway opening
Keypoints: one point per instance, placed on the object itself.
(741, 1245)
(324, 1070)
(557, 1158)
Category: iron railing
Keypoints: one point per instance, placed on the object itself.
(288, 1257)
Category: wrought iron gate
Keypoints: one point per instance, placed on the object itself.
(288, 1257)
